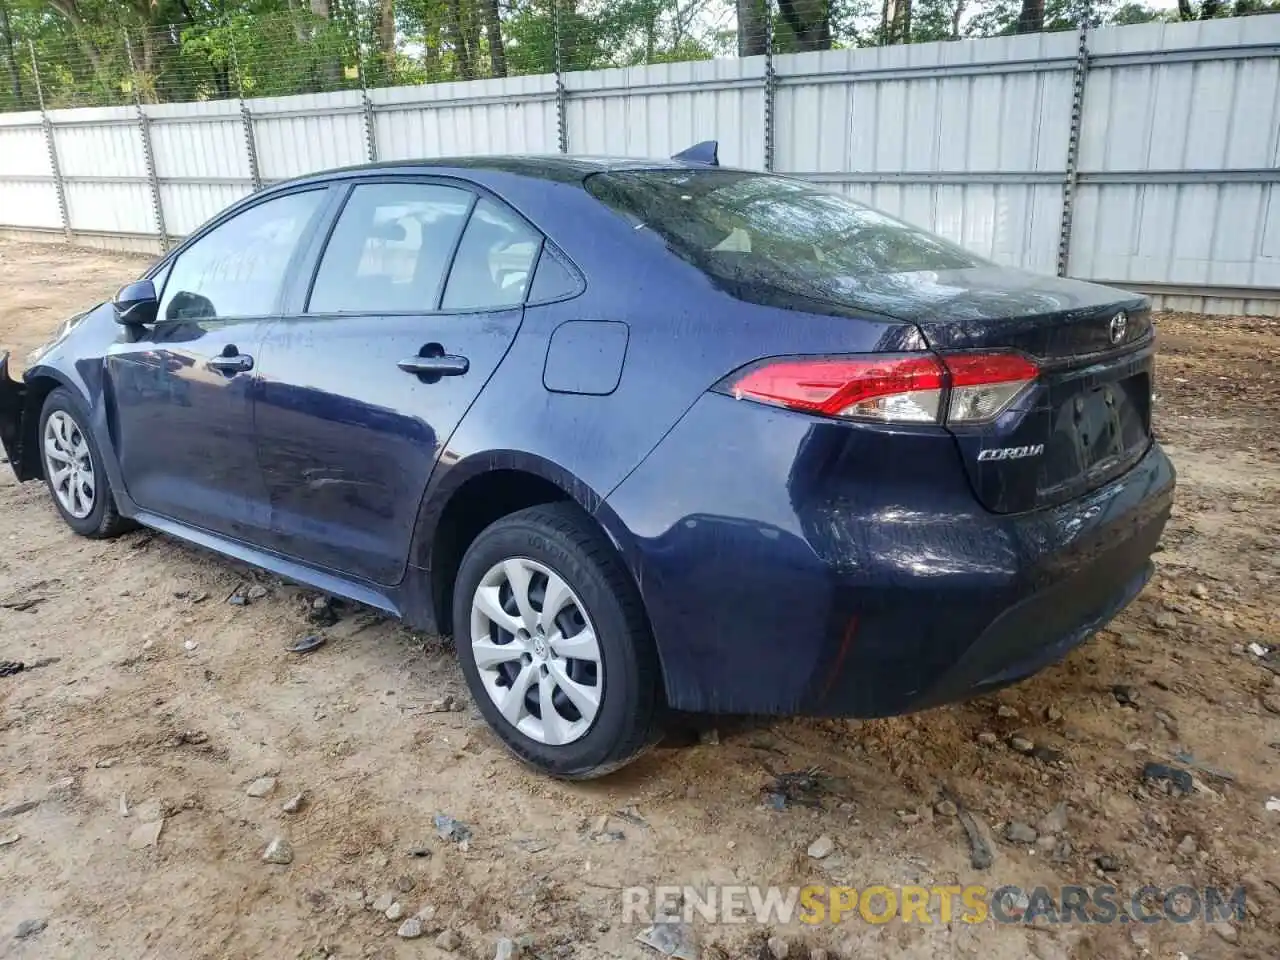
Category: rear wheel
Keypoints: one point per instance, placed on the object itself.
(73, 469)
(554, 644)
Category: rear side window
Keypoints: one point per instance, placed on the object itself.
(237, 268)
(552, 280)
(495, 261)
(761, 230)
(390, 249)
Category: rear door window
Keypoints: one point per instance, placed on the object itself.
(390, 249)
(495, 261)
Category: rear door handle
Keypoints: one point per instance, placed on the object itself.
(446, 365)
(239, 363)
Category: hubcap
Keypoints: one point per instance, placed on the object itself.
(69, 465)
(537, 652)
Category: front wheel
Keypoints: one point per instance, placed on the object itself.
(554, 644)
(73, 469)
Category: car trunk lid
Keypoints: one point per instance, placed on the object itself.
(1086, 419)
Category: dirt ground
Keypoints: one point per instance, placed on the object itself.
(165, 698)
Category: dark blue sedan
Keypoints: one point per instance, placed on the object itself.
(639, 435)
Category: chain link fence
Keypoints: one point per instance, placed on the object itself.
(53, 56)
(1006, 145)
(259, 56)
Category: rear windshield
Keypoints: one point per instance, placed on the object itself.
(755, 229)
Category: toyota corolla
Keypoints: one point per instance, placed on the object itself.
(639, 435)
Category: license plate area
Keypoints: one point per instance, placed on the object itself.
(1083, 424)
(1097, 429)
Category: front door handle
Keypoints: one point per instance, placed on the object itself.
(236, 363)
(445, 365)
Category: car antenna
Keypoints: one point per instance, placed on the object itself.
(706, 153)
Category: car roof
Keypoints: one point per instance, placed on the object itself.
(557, 167)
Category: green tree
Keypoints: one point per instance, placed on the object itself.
(938, 20)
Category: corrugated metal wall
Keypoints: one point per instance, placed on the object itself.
(515, 115)
(1179, 157)
(1175, 187)
(28, 194)
(201, 162)
(966, 139)
(657, 111)
(104, 170)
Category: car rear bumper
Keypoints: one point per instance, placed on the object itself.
(846, 572)
(1036, 631)
(1081, 564)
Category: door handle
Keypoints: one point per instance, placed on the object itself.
(238, 363)
(445, 365)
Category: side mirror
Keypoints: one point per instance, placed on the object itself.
(136, 304)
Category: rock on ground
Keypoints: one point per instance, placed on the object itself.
(671, 938)
(1055, 821)
(29, 928)
(411, 929)
(821, 847)
(262, 787)
(278, 851)
(1226, 931)
(1018, 832)
(981, 856)
(448, 940)
(146, 835)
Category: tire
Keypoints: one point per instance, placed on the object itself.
(70, 435)
(538, 544)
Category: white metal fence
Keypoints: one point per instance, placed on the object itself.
(1147, 156)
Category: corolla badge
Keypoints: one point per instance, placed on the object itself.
(1119, 326)
(1011, 453)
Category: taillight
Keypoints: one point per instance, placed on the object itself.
(906, 387)
(890, 388)
(983, 385)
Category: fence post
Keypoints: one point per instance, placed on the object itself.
(370, 132)
(246, 118)
(770, 85)
(52, 145)
(562, 120)
(149, 158)
(1073, 150)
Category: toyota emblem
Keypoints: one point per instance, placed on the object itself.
(1119, 326)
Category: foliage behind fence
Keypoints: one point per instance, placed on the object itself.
(105, 52)
(1142, 155)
